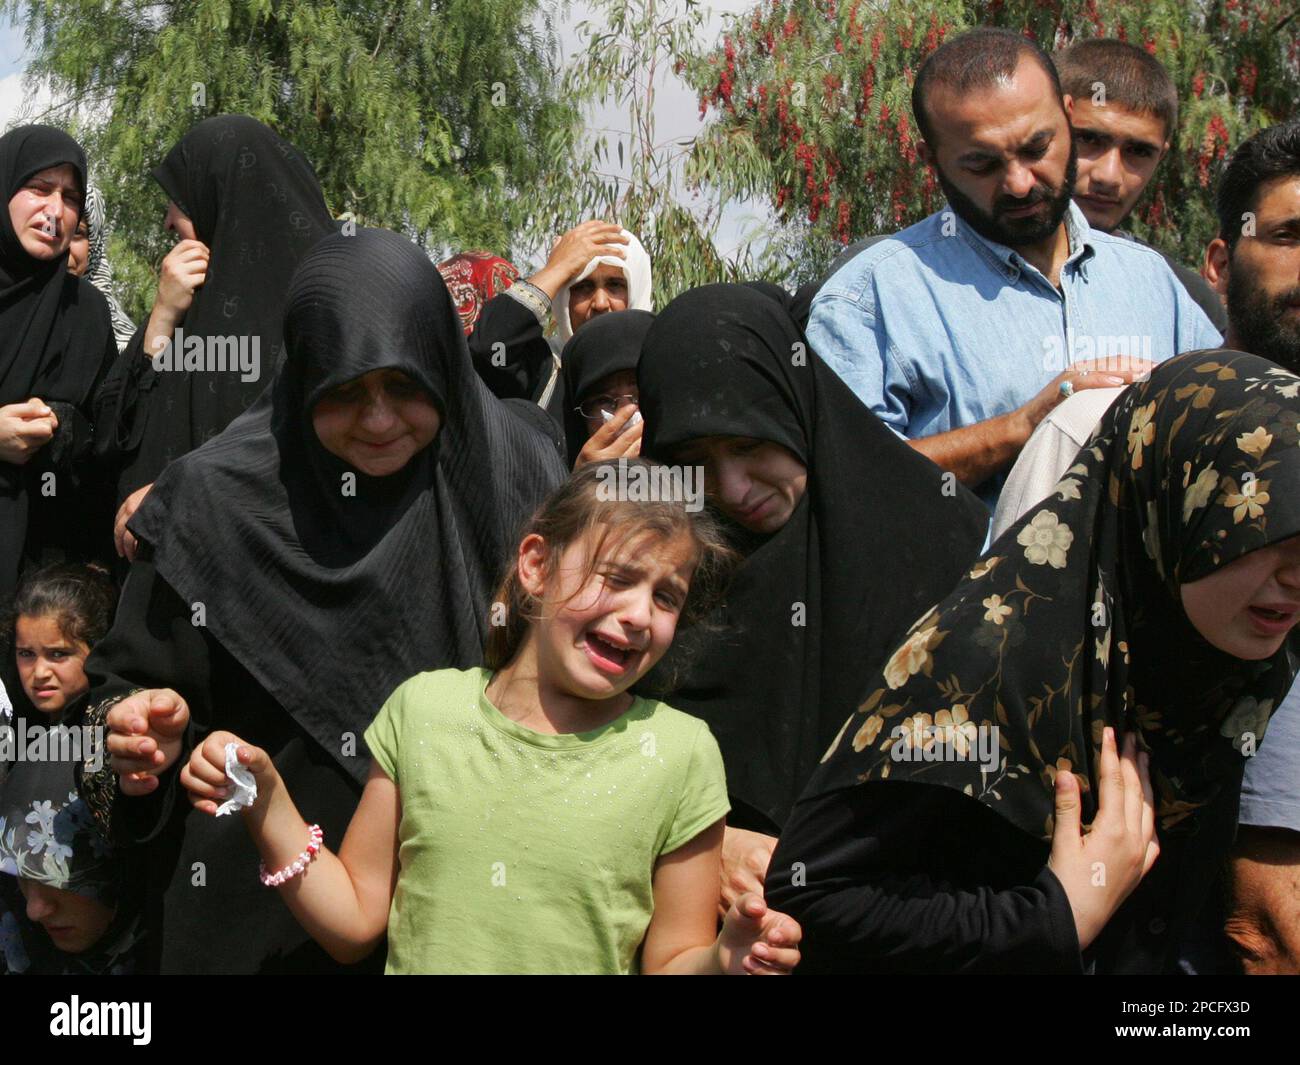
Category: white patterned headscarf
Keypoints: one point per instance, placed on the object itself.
(98, 272)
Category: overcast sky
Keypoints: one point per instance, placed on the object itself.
(676, 106)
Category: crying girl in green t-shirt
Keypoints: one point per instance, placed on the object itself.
(534, 816)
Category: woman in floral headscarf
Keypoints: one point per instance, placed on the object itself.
(1147, 599)
(69, 902)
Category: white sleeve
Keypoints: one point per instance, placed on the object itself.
(1051, 451)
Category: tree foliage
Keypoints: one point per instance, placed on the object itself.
(427, 116)
(633, 175)
(810, 104)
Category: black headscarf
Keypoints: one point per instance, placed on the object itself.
(255, 202)
(55, 344)
(47, 835)
(602, 346)
(879, 535)
(798, 304)
(1072, 621)
(329, 599)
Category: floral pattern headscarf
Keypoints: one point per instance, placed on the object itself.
(1072, 620)
(47, 835)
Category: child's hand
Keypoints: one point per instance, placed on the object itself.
(145, 734)
(204, 776)
(756, 940)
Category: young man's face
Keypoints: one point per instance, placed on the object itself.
(1118, 151)
(1003, 155)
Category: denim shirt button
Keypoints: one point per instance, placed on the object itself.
(1157, 927)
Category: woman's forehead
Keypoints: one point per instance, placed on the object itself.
(606, 272)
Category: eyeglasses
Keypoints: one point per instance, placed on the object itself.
(598, 405)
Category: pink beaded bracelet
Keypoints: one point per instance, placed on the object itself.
(298, 864)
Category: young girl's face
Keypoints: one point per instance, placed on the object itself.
(1248, 607)
(601, 632)
(74, 922)
(51, 667)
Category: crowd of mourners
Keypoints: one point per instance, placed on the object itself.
(932, 618)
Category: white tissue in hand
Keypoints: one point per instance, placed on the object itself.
(242, 779)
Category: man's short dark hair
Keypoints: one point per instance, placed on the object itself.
(974, 60)
(1130, 77)
(1270, 153)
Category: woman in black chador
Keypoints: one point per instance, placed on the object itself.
(56, 345)
(341, 536)
(245, 205)
(849, 535)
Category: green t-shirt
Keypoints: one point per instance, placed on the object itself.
(521, 852)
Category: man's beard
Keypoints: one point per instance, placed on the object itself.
(1257, 320)
(1015, 232)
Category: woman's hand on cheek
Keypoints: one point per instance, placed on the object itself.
(609, 442)
(183, 271)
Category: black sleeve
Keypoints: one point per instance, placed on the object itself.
(121, 404)
(153, 644)
(912, 878)
(508, 349)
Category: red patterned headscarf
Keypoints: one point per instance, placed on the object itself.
(473, 278)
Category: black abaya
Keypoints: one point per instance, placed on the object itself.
(317, 600)
(56, 344)
(255, 202)
(879, 535)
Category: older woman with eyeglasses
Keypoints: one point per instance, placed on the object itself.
(601, 420)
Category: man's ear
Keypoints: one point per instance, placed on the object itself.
(927, 156)
(1067, 101)
(1216, 266)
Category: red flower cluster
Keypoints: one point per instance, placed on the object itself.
(842, 231)
(1091, 13)
(868, 90)
(1213, 146)
(830, 88)
(905, 144)
(855, 28)
(1247, 76)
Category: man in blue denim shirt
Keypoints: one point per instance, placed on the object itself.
(958, 331)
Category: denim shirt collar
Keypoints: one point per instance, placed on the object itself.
(1008, 261)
